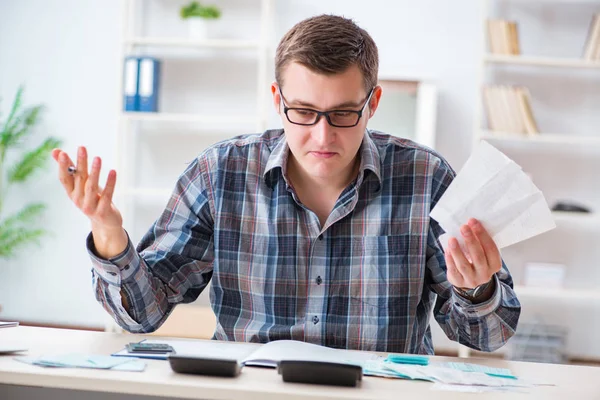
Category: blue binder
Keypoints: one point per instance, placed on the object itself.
(149, 80)
(131, 98)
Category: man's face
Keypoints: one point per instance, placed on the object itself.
(323, 151)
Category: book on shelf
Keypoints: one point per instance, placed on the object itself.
(131, 96)
(592, 45)
(503, 37)
(508, 109)
(141, 83)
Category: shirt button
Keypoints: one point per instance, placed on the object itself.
(315, 320)
(320, 237)
(319, 280)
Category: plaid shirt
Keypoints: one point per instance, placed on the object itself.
(368, 279)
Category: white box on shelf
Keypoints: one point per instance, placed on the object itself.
(547, 275)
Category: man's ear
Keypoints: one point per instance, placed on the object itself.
(276, 97)
(374, 102)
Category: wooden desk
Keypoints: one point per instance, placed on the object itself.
(19, 380)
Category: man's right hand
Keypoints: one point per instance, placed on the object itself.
(82, 188)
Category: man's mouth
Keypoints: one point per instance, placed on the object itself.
(323, 154)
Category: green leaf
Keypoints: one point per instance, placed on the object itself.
(15, 108)
(195, 9)
(13, 239)
(25, 216)
(33, 161)
(21, 127)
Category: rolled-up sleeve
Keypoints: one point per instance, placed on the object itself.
(484, 326)
(172, 263)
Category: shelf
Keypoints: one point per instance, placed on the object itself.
(180, 117)
(540, 138)
(541, 61)
(182, 42)
(148, 191)
(576, 217)
(558, 294)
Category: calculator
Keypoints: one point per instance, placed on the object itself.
(154, 348)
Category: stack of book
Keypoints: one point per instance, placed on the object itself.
(509, 109)
(503, 37)
(592, 46)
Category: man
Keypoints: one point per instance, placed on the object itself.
(318, 232)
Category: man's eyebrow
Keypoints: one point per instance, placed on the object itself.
(346, 104)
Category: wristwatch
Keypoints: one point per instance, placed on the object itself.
(475, 293)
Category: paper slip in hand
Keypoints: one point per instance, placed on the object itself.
(494, 190)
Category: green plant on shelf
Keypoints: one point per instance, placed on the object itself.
(195, 9)
(18, 229)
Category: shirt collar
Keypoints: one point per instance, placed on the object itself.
(370, 160)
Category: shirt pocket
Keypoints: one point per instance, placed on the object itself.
(371, 288)
(371, 269)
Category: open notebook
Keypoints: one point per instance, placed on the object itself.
(267, 355)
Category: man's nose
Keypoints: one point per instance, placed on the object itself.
(323, 133)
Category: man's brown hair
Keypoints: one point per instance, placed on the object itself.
(328, 44)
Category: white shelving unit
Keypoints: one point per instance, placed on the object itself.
(206, 43)
(136, 42)
(576, 296)
(148, 192)
(576, 218)
(541, 61)
(184, 117)
(549, 138)
(566, 142)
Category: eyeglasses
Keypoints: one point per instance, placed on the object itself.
(337, 118)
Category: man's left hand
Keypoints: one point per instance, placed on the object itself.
(483, 260)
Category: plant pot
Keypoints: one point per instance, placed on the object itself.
(199, 28)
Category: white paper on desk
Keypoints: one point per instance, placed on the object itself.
(204, 348)
(477, 389)
(268, 355)
(494, 190)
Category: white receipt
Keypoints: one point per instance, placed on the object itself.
(494, 190)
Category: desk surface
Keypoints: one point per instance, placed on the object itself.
(254, 383)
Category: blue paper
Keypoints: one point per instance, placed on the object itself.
(85, 361)
(497, 372)
(413, 359)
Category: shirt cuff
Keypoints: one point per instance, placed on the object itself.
(479, 310)
(117, 269)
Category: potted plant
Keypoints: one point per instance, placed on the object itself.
(199, 18)
(18, 228)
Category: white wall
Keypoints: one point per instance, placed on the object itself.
(67, 53)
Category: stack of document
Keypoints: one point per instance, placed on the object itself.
(446, 373)
(494, 190)
(86, 361)
(267, 355)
